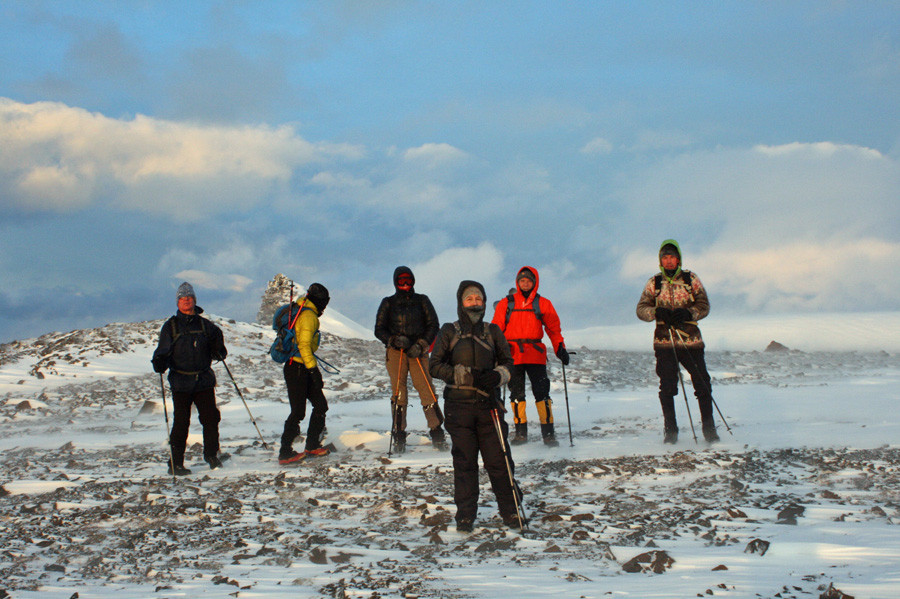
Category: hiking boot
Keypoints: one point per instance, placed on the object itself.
(439, 439)
(512, 520)
(214, 462)
(710, 434)
(290, 457)
(670, 437)
(521, 436)
(465, 525)
(548, 435)
(400, 442)
(317, 452)
(179, 470)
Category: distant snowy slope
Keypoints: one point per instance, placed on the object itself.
(336, 323)
(872, 331)
(124, 349)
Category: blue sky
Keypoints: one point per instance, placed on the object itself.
(145, 143)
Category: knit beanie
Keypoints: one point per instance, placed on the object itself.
(526, 274)
(185, 290)
(471, 290)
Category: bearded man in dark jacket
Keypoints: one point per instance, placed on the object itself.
(407, 324)
(188, 343)
(473, 357)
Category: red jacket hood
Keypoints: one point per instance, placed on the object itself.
(537, 282)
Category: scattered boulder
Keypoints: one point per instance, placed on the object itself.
(832, 593)
(651, 561)
(757, 546)
(790, 514)
(774, 346)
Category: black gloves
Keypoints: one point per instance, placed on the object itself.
(664, 315)
(562, 354)
(399, 342)
(417, 349)
(486, 379)
(315, 378)
(681, 316)
(673, 318)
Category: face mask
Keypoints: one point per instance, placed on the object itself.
(475, 313)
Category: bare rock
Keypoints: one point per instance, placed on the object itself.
(652, 561)
(833, 593)
(757, 546)
(774, 346)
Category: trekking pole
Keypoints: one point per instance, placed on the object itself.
(517, 493)
(566, 390)
(329, 368)
(241, 395)
(722, 416)
(681, 378)
(394, 398)
(162, 387)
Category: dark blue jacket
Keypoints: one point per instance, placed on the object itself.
(188, 343)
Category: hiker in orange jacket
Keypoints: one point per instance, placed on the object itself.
(523, 317)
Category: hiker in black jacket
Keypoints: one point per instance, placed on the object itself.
(473, 357)
(407, 324)
(188, 343)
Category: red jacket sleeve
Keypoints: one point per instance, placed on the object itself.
(551, 323)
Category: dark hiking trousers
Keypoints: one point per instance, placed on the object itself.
(209, 417)
(667, 368)
(472, 431)
(300, 390)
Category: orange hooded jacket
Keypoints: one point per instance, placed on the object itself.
(525, 332)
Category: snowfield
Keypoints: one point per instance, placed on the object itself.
(800, 498)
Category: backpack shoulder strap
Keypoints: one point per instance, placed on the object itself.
(176, 333)
(510, 303)
(485, 339)
(535, 306)
(657, 282)
(455, 339)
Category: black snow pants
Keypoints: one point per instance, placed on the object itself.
(300, 389)
(694, 362)
(472, 431)
(208, 414)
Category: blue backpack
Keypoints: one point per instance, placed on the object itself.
(284, 347)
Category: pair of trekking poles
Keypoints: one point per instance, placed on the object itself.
(395, 414)
(681, 380)
(162, 387)
(328, 368)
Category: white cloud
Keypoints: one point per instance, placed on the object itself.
(55, 157)
(824, 149)
(792, 276)
(433, 155)
(439, 277)
(598, 145)
(766, 195)
(208, 280)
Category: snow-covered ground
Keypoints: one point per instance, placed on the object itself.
(800, 498)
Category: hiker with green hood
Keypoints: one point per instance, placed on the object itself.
(675, 299)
